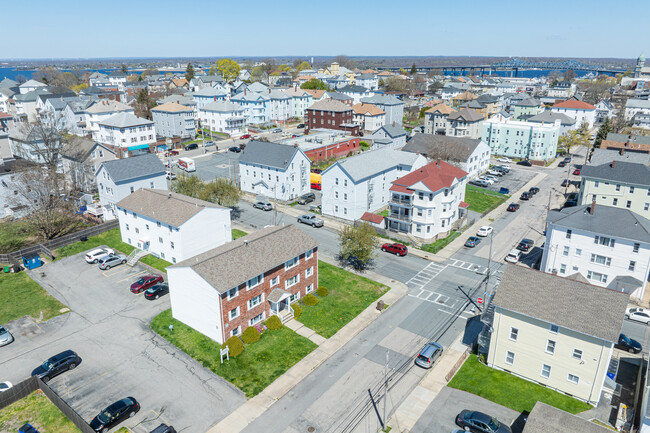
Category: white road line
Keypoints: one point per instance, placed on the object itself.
(422, 278)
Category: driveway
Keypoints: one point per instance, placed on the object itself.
(121, 356)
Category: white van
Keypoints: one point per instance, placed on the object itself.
(186, 164)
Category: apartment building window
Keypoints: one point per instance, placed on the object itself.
(345, 182)
(254, 302)
(233, 293)
(631, 266)
(553, 329)
(336, 181)
(137, 230)
(127, 226)
(562, 268)
(601, 260)
(550, 347)
(275, 281)
(546, 371)
(235, 331)
(160, 239)
(419, 212)
(565, 252)
(568, 234)
(631, 190)
(596, 184)
(171, 244)
(602, 240)
(646, 206)
(132, 190)
(309, 254)
(628, 204)
(596, 276)
(636, 247)
(233, 313)
(309, 288)
(336, 208)
(577, 354)
(514, 334)
(345, 196)
(151, 185)
(614, 202)
(309, 272)
(578, 251)
(158, 223)
(292, 281)
(293, 298)
(254, 282)
(257, 319)
(336, 194)
(618, 187)
(345, 211)
(510, 358)
(291, 263)
(573, 378)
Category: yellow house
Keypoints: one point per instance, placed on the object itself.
(555, 331)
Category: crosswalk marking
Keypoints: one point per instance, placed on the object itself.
(422, 278)
(468, 266)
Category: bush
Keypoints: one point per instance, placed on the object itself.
(310, 300)
(250, 335)
(235, 346)
(297, 311)
(322, 291)
(274, 323)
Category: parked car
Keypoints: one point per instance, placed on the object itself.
(479, 422)
(428, 355)
(398, 249)
(164, 428)
(210, 143)
(255, 137)
(491, 177)
(567, 159)
(504, 159)
(576, 172)
(571, 203)
(566, 182)
(307, 198)
(484, 231)
(111, 260)
(494, 172)
(145, 282)
(489, 180)
(526, 245)
(235, 149)
(472, 241)
(115, 414)
(316, 170)
(300, 125)
(513, 207)
(155, 292)
(245, 136)
(525, 163)
(311, 220)
(503, 190)
(5, 386)
(533, 190)
(513, 256)
(638, 315)
(479, 182)
(59, 363)
(191, 146)
(277, 130)
(525, 195)
(501, 168)
(628, 344)
(264, 205)
(94, 255)
(562, 164)
(5, 336)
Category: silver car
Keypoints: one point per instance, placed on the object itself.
(428, 355)
(111, 260)
(264, 205)
(311, 220)
(5, 336)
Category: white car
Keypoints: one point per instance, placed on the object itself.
(489, 176)
(487, 179)
(504, 159)
(513, 256)
(495, 173)
(94, 255)
(5, 336)
(638, 315)
(5, 386)
(484, 231)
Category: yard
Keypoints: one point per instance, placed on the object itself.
(483, 200)
(236, 234)
(441, 243)
(15, 235)
(508, 390)
(252, 371)
(349, 295)
(39, 411)
(21, 296)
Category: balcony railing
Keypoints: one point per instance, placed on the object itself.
(402, 201)
(400, 216)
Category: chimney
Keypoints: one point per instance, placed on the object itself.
(613, 164)
(622, 151)
(244, 92)
(592, 208)
(393, 123)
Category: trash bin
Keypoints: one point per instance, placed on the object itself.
(7, 268)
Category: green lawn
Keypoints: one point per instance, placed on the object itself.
(482, 200)
(385, 213)
(39, 411)
(349, 295)
(508, 390)
(441, 243)
(15, 235)
(252, 371)
(21, 296)
(236, 234)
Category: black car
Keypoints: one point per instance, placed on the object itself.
(164, 428)
(56, 365)
(525, 195)
(155, 292)
(300, 125)
(307, 198)
(525, 163)
(626, 343)
(533, 190)
(571, 203)
(114, 414)
(480, 422)
(525, 245)
(566, 182)
(235, 149)
(513, 207)
(562, 164)
(192, 146)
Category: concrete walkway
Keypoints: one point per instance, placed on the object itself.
(256, 406)
(306, 332)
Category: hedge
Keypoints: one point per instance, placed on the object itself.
(274, 323)
(322, 291)
(297, 311)
(250, 335)
(310, 300)
(235, 346)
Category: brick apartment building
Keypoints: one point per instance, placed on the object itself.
(223, 291)
(331, 114)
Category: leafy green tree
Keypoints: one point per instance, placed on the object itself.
(358, 245)
(143, 104)
(189, 72)
(257, 74)
(229, 69)
(414, 69)
(314, 84)
(213, 70)
(190, 185)
(302, 66)
(284, 68)
(604, 129)
(572, 139)
(402, 71)
(221, 191)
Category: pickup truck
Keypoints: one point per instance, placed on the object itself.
(311, 220)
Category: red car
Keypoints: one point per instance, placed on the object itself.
(576, 171)
(316, 186)
(398, 249)
(245, 136)
(145, 282)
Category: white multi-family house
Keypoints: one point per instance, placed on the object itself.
(300, 101)
(436, 119)
(174, 120)
(30, 86)
(121, 177)
(257, 106)
(117, 79)
(6, 99)
(361, 183)
(562, 89)
(583, 240)
(280, 106)
(129, 134)
(356, 92)
(393, 107)
(605, 110)
(389, 136)
(74, 116)
(582, 112)
(468, 154)
(226, 117)
(521, 139)
(208, 95)
(369, 81)
(274, 170)
(636, 106)
(25, 104)
(80, 159)
(172, 226)
(102, 110)
(27, 142)
(428, 201)
(369, 117)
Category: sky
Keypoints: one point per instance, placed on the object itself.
(46, 29)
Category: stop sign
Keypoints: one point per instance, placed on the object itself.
(480, 300)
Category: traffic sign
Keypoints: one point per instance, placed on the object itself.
(480, 300)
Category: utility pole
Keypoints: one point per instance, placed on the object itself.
(566, 187)
(487, 279)
(275, 205)
(385, 389)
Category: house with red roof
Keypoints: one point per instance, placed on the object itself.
(428, 201)
(581, 111)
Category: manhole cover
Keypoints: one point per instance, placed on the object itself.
(311, 429)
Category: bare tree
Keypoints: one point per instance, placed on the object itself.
(43, 138)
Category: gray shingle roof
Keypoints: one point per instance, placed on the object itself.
(125, 120)
(164, 206)
(353, 88)
(393, 131)
(366, 164)
(238, 261)
(209, 92)
(547, 419)
(624, 172)
(548, 116)
(622, 138)
(466, 114)
(8, 82)
(591, 310)
(329, 104)
(628, 224)
(443, 147)
(108, 106)
(637, 103)
(269, 154)
(528, 102)
(222, 107)
(382, 100)
(122, 170)
(604, 156)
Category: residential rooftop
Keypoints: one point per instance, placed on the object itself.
(367, 164)
(125, 169)
(317, 138)
(442, 147)
(619, 171)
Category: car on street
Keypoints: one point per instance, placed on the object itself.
(5, 336)
(164, 428)
(533, 190)
(479, 182)
(526, 245)
(513, 207)
(576, 172)
(398, 249)
(210, 143)
(472, 241)
(428, 355)
(310, 220)
(567, 159)
(307, 198)
(489, 180)
(192, 146)
(111, 260)
(94, 255)
(245, 136)
(277, 130)
(115, 414)
(145, 282)
(484, 231)
(5, 386)
(525, 196)
(255, 137)
(562, 164)
(513, 256)
(155, 292)
(638, 315)
(628, 344)
(300, 125)
(479, 422)
(59, 363)
(264, 205)
(525, 163)
(504, 159)
(235, 149)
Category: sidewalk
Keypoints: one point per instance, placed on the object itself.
(256, 406)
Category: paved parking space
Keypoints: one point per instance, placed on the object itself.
(109, 328)
(518, 177)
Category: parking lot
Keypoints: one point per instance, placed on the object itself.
(109, 328)
(517, 178)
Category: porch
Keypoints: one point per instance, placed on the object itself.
(280, 302)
